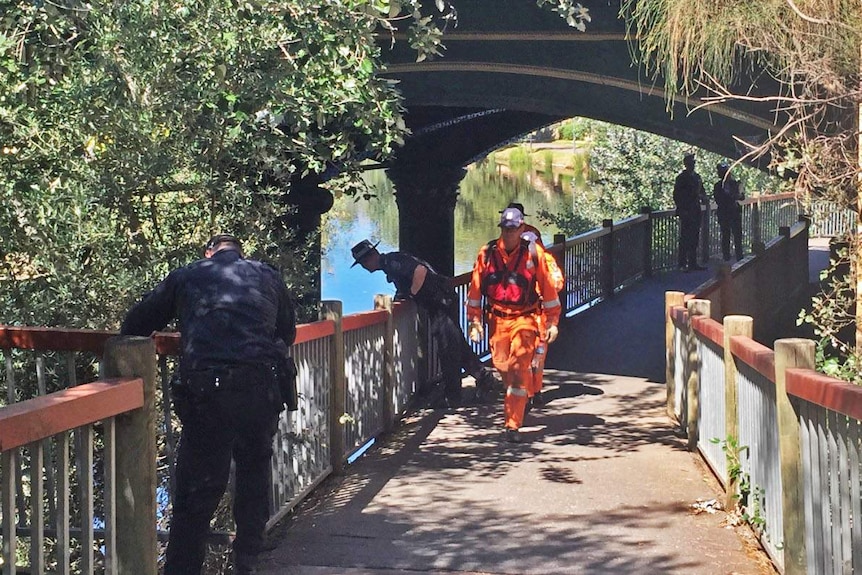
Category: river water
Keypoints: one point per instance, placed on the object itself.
(484, 191)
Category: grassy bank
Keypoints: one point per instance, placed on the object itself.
(559, 156)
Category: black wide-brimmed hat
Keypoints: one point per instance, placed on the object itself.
(222, 239)
(361, 250)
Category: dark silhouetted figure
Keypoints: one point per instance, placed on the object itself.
(688, 195)
(727, 195)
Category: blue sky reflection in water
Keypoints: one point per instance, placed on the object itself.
(483, 193)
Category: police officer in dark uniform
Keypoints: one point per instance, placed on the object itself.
(727, 195)
(688, 194)
(415, 279)
(235, 319)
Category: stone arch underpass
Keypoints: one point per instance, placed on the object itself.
(511, 67)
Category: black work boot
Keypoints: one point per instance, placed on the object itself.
(512, 436)
(538, 400)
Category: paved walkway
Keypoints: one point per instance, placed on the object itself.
(603, 485)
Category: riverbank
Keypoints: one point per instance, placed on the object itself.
(560, 156)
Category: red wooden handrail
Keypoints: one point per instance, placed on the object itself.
(363, 319)
(167, 343)
(53, 339)
(709, 328)
(828, 392)
(311, 331)
(42, 417)
(755, 354)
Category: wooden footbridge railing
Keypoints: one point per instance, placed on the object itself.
(87, 435)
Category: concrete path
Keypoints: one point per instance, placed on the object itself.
(603, 484)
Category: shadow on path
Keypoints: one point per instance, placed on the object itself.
(603, 484)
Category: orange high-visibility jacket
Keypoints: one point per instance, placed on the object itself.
(549, 300)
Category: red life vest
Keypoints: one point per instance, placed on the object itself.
(513, 285)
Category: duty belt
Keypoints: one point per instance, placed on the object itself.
(506, 315)
(228, 377)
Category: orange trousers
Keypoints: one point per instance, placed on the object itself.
(513, 344)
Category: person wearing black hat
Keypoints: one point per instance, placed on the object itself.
(236, 320)
(727, 196)
(415, 279)
(688, 195)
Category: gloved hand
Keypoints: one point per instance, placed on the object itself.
(475, 332)
(553, 332)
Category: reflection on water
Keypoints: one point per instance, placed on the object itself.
(484, 191)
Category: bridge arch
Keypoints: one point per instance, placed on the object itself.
(513, 68)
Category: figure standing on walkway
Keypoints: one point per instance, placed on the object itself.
(688, 195)
(727, 195)
(534, 236)
(415, 279)
(236, 320)
(515, 284)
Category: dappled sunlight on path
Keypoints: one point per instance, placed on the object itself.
(602, 484)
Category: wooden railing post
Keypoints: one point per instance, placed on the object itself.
(560, 256)
(695, 307)
(333, 310)
(384, 302)
(137, 550)
(726, 303)
(672, 299)
(607, 259)
(647, 242)
(733, 325)
(791, 352)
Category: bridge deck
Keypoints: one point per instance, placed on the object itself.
(603, 484)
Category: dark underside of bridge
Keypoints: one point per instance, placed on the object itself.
(511, 67)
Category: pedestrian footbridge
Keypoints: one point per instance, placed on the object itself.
(667, 396)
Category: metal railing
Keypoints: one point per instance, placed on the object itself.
(601, 262)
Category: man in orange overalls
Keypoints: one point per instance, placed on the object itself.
(515, 284)
(534, 236)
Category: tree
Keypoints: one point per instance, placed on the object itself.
(811, 48)
(131, 131)
(631, 170)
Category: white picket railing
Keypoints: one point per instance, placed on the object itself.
(357, 375)
(791, 437)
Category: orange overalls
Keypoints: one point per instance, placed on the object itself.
(515, 286)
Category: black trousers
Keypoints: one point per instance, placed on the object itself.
(730, 226)
(455, 353)
(689, 237)
(236, 423)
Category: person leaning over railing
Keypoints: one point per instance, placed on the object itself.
(236, 318)
(514, 284)
(415, 279)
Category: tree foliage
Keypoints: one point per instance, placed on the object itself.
(131, 131)
(630, 170)
(811, 49)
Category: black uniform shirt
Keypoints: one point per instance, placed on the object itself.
(399, 269)
(231, 311)
(688, 193)
(726, 195)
